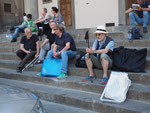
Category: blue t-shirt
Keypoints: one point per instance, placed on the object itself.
(65, 38)
(58, 19)
(109, 46)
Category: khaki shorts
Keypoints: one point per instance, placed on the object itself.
(97, 63)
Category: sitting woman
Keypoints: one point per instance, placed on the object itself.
(57, 16)
(48, 42)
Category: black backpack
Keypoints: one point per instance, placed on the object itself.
(80, 62)
(134, 34)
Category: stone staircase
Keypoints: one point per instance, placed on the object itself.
(71, 95)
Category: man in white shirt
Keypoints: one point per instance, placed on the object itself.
(43, 22)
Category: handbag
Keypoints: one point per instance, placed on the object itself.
(51, 67)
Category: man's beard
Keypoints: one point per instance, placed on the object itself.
(99, 40)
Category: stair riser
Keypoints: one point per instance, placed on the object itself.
(132, 94)
(9, 57)
(82, 43)
(135, 77)
(115, 36)
(97, 107)
(6, 57)
(83, 49)
(125, 43)
(77, 102)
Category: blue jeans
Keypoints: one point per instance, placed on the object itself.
(65, 55)
(143, 21)
(43, 51)
(17, 29)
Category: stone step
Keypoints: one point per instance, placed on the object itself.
(136, 91)
(141, 78)
(138, 48)
(115, 36)
(125, 43)
(4, 56)
(79, 48)
(51, 107)
(82, 99)
(10, 57)
(72, 70)
(117, 32)
(126, 28)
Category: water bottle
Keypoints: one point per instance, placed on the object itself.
(83, 58)
(129, 35)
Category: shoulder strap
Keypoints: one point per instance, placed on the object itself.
(97, 46)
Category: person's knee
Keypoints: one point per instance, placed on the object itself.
(64, 53)
(49, 54)
(103, 56)
(145, 13)
(18, 52)
(131, 13)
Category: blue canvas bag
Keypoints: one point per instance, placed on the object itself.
(51, 67)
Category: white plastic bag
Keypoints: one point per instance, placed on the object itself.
(116, 88)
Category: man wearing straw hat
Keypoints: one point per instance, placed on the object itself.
(100, 54)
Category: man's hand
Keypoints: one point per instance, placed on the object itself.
(34, 22)
(25, 23)
(56, 54)
(28, 52)
(36, 55)
(89, 50)
(128, 11)
(42, 45)
(139, 8)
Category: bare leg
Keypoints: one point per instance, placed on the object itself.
(89, 65)
(105, 65)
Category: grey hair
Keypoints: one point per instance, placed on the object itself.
(52, 22)
(45, 10)
(28, 29)
(60, 27)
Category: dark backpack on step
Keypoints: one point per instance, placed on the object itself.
(80, 62)
(134, 34)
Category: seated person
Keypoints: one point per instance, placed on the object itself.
(29, 48)
(57, 17)
(24, 16)
(102, 47)
(143, 14)
(64, 48)
(43, 22)
(27, 23)
(46, 45)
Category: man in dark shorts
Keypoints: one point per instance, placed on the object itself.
(100, 55)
